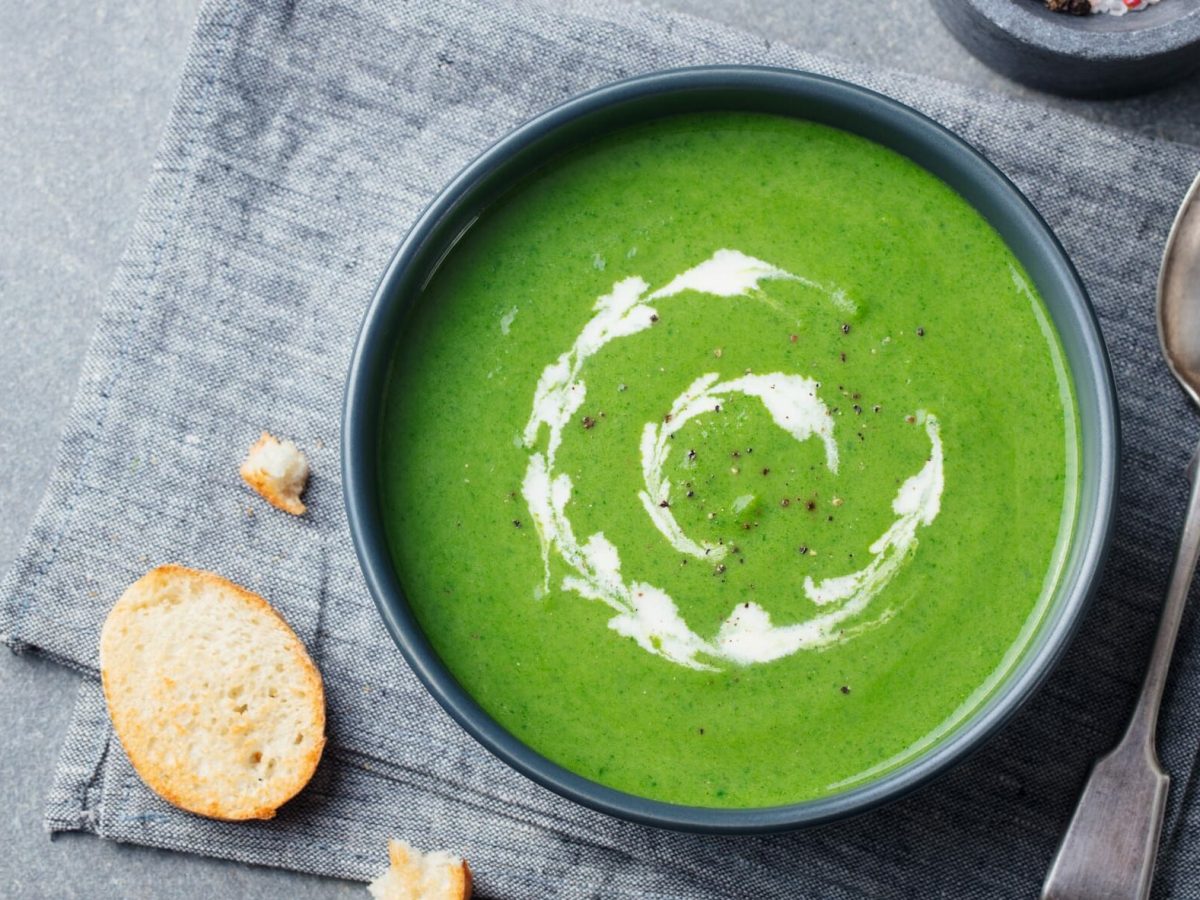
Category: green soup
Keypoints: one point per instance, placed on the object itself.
(730, 460)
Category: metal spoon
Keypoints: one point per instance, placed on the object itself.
(1109, 849)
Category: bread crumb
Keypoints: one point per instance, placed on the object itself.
(278, 471)
(413, 875)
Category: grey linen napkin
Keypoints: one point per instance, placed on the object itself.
(305, 138)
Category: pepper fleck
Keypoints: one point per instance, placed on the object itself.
(720, 568)
(654, 317)
(843, 356)
(766, 471)
(845, 689)
(810, 505)
(517, 523)
(589, 423)
(910, 419)
(691, 493)
(920, 332)
(691, 454)
(845, 328)
(793, 338)
(803, 548)
(785, 502)
(664, 504)
(857, 409)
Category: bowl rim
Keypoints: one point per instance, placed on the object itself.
(359, 440)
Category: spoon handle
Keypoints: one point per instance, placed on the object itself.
(1110, 846)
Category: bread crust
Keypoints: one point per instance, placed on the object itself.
(406, 877)
(137, 734)
(267, 486)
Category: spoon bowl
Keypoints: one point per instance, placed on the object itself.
(1179, 296)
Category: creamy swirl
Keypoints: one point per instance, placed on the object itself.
(644, 612)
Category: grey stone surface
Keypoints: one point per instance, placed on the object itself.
(84, 90)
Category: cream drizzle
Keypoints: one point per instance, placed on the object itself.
(790, 399)
(646, 613)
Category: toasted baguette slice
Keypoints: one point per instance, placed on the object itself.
(414, 875)
(214, 698)
(278, 471)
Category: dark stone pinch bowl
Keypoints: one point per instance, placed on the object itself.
(1093, 56)
(777, 92)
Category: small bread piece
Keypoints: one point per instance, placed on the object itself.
(217, 703)
(278, 471)
(414, 875)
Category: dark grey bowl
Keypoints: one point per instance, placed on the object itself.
(770, 91)
(1082, 56)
